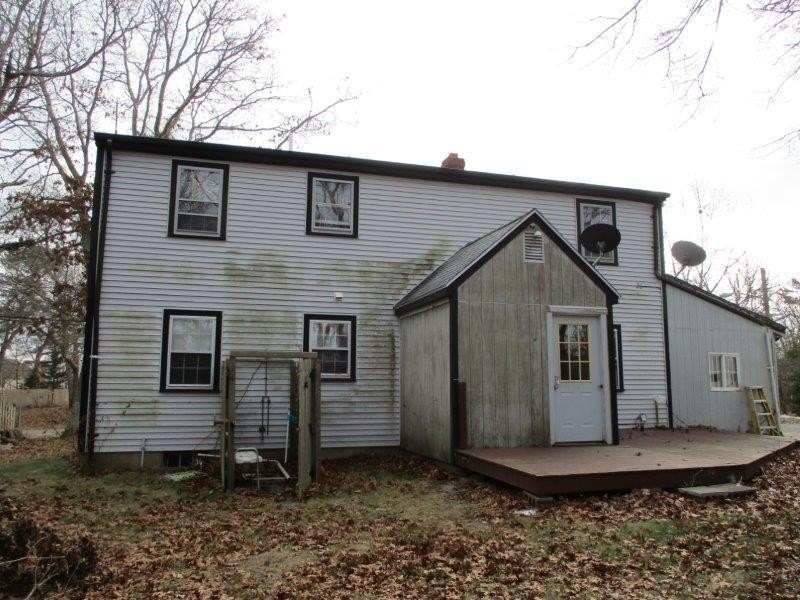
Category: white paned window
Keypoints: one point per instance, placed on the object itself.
(591, 213)
(333, 205)
(723, 371)
(573, 350)
(332, 340)
(199, 200)
(191, 351)
(533, 242)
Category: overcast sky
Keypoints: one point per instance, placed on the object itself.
(492, 81)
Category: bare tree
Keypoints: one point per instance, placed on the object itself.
(686, 41)
(719, 265)
(44, 41)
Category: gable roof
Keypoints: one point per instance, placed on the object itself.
(465, 261)
(268, 156)
(699, 292)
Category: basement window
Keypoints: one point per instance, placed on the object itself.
(533, 243)
(198, 200)
(190, 351)
(178, 460)
(591, 212)
(332, 207)
(723, 372)
(333, 338)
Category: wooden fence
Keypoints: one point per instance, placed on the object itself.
(36, 398)
(9, 415)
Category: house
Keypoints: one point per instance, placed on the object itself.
(421, 289)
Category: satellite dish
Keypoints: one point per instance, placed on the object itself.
(688, 254)
(600, 238)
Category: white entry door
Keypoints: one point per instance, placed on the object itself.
(577, 378)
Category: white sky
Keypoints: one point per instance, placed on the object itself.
(492, 81)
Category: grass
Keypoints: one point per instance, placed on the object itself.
(400, 527)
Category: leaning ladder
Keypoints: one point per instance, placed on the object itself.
(761, 415)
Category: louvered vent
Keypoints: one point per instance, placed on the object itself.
(534, 245)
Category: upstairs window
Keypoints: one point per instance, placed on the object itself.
(332, 205)
(199, 200)
(333, 338)
(190, 351)
(723, 372)
(591, 212)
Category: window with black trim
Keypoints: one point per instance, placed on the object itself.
(332, 205)
(591, 212)
(333, 338)
(190, 350)
(618, 370)
(198, 199)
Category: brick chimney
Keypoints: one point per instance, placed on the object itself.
(453, 162)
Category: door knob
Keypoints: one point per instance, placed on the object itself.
(556, 381)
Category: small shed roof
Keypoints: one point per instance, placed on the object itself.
(466, 260)
(699, 292)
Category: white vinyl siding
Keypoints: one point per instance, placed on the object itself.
(269, 273)
(698, 329)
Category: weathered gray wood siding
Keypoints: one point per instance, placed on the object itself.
(268, 273)
(502, 341)
(696, 328)
(425, 382)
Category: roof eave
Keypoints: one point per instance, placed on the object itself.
(723, 303)
(208, 150)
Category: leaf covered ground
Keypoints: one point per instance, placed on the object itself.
(400, 527)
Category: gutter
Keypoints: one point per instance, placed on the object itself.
(232, 153)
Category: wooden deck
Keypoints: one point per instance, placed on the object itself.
(650, 459)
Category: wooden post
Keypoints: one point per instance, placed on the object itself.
(304, 416)
(229, 433)
(294, 375)
(316, 420)
(221, 422)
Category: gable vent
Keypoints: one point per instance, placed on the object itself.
(534, 245)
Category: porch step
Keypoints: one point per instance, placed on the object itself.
(722, 490)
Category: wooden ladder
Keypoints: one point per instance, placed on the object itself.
(761, 415)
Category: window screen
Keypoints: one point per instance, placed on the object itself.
(332, 205)
(190, 358)
(199, 198)
(591, 213)
(333, 339)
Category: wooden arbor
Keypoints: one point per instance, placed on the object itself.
(304, 404)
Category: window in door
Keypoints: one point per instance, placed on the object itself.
(573, 352)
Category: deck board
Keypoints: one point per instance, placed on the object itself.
(654, 458)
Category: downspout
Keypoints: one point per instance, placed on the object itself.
(612, 372)
(88, 331)
(95, 306)
(658, 254)
(772, 370)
